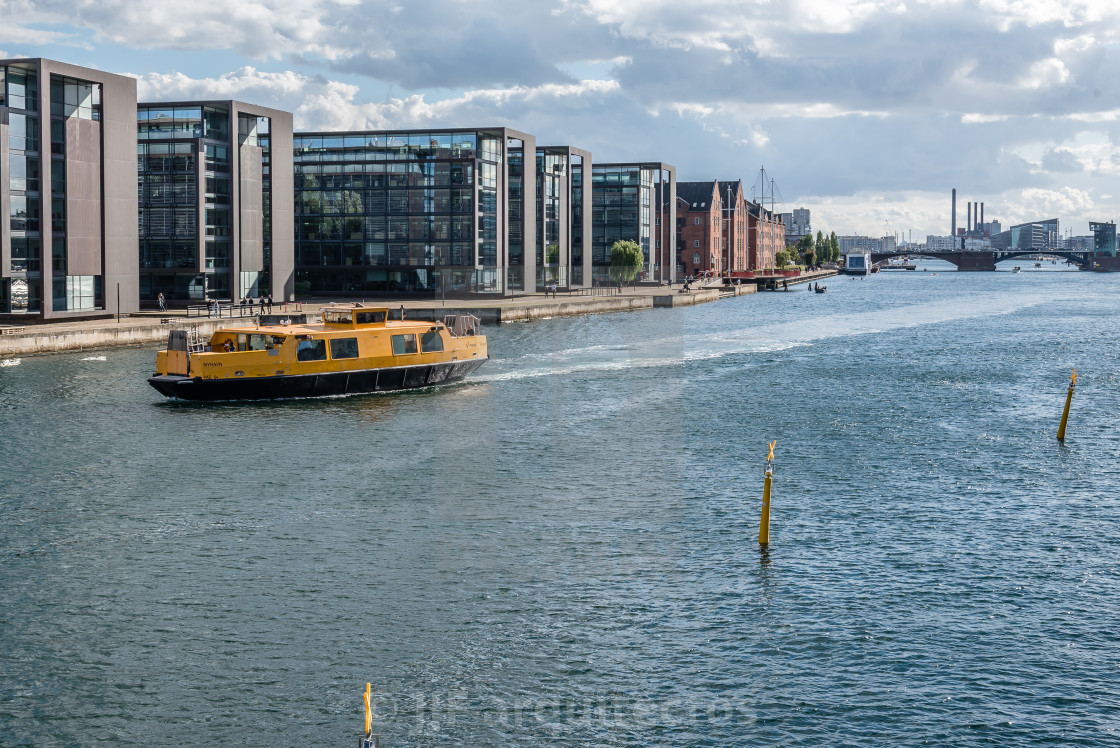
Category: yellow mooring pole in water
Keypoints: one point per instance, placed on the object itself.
(1065, 413)
(764, 524)
(369, 714)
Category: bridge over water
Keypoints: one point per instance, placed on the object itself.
(986, 260)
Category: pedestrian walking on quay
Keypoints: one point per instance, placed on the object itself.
(162, 304)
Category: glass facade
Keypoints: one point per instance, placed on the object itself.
(407, 212)
(1104, 238)
(70, 99)
(21, 288)
(552, 259)
(621, 200)
(575, 238)
(1034, 235)
(31, 200)
(187, 170)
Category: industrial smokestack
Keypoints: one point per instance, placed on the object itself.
(981, 215)
(954, 232)
(968, 222)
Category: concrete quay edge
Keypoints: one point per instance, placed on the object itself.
(49, 339)
(150, 329)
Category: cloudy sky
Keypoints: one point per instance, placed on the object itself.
(868, 112)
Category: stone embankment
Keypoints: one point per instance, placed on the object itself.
(71, 336)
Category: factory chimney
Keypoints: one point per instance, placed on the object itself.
(954, 211)
(969, 223)
(981, 215)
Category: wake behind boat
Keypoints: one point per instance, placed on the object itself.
(354, 350)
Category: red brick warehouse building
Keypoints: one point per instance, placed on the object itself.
(767, 231)
(712, 227)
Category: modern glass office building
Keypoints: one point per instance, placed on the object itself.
(215, 201)
(1035, 235)
(625, 199)
(563, 210)
(1104, 238)
(67, 190)
(414, 212)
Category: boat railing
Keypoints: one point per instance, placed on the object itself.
(195, 341)
(462, 325)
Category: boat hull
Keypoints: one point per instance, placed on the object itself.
(315, 385)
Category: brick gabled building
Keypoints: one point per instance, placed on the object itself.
(767, 236)
(735, 251)
(713, 227)
(698, 227)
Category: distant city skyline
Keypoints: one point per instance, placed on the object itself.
(866, 113)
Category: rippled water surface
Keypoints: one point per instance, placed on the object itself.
(563, 550)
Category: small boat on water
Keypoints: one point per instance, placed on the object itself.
(1038, 264)
(354, 349)
(821, 289)
(1016, 269)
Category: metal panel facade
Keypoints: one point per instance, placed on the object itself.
(5, 189)
(251, 210)
(282, 204)
(120, 234)
(83, 197)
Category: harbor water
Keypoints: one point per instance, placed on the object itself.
(563, 550)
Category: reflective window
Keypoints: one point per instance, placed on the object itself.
(344, 347)
(404, 344)
(17, 172)
(431, 341)
(74, 98)
(311, 350)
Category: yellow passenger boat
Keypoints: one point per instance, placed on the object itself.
(354, 349)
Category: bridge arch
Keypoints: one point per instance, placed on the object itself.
(983, 260)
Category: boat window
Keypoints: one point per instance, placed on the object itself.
(344, 347)
(334, 317)
(311, 350)
(403, 344)
(431, 341)
(367, 318)
(259, 342)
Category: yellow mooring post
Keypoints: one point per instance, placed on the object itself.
(764, 524)
(1065, 413)
(369, 714)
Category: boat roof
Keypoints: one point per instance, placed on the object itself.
(358, 316)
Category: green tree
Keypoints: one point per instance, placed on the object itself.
(834, 246)
(626, 260)
(552, 261)
(809, 256)
(822, 250)
(804, 244)
(781, 259)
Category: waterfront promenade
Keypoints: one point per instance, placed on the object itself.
(152, 326)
